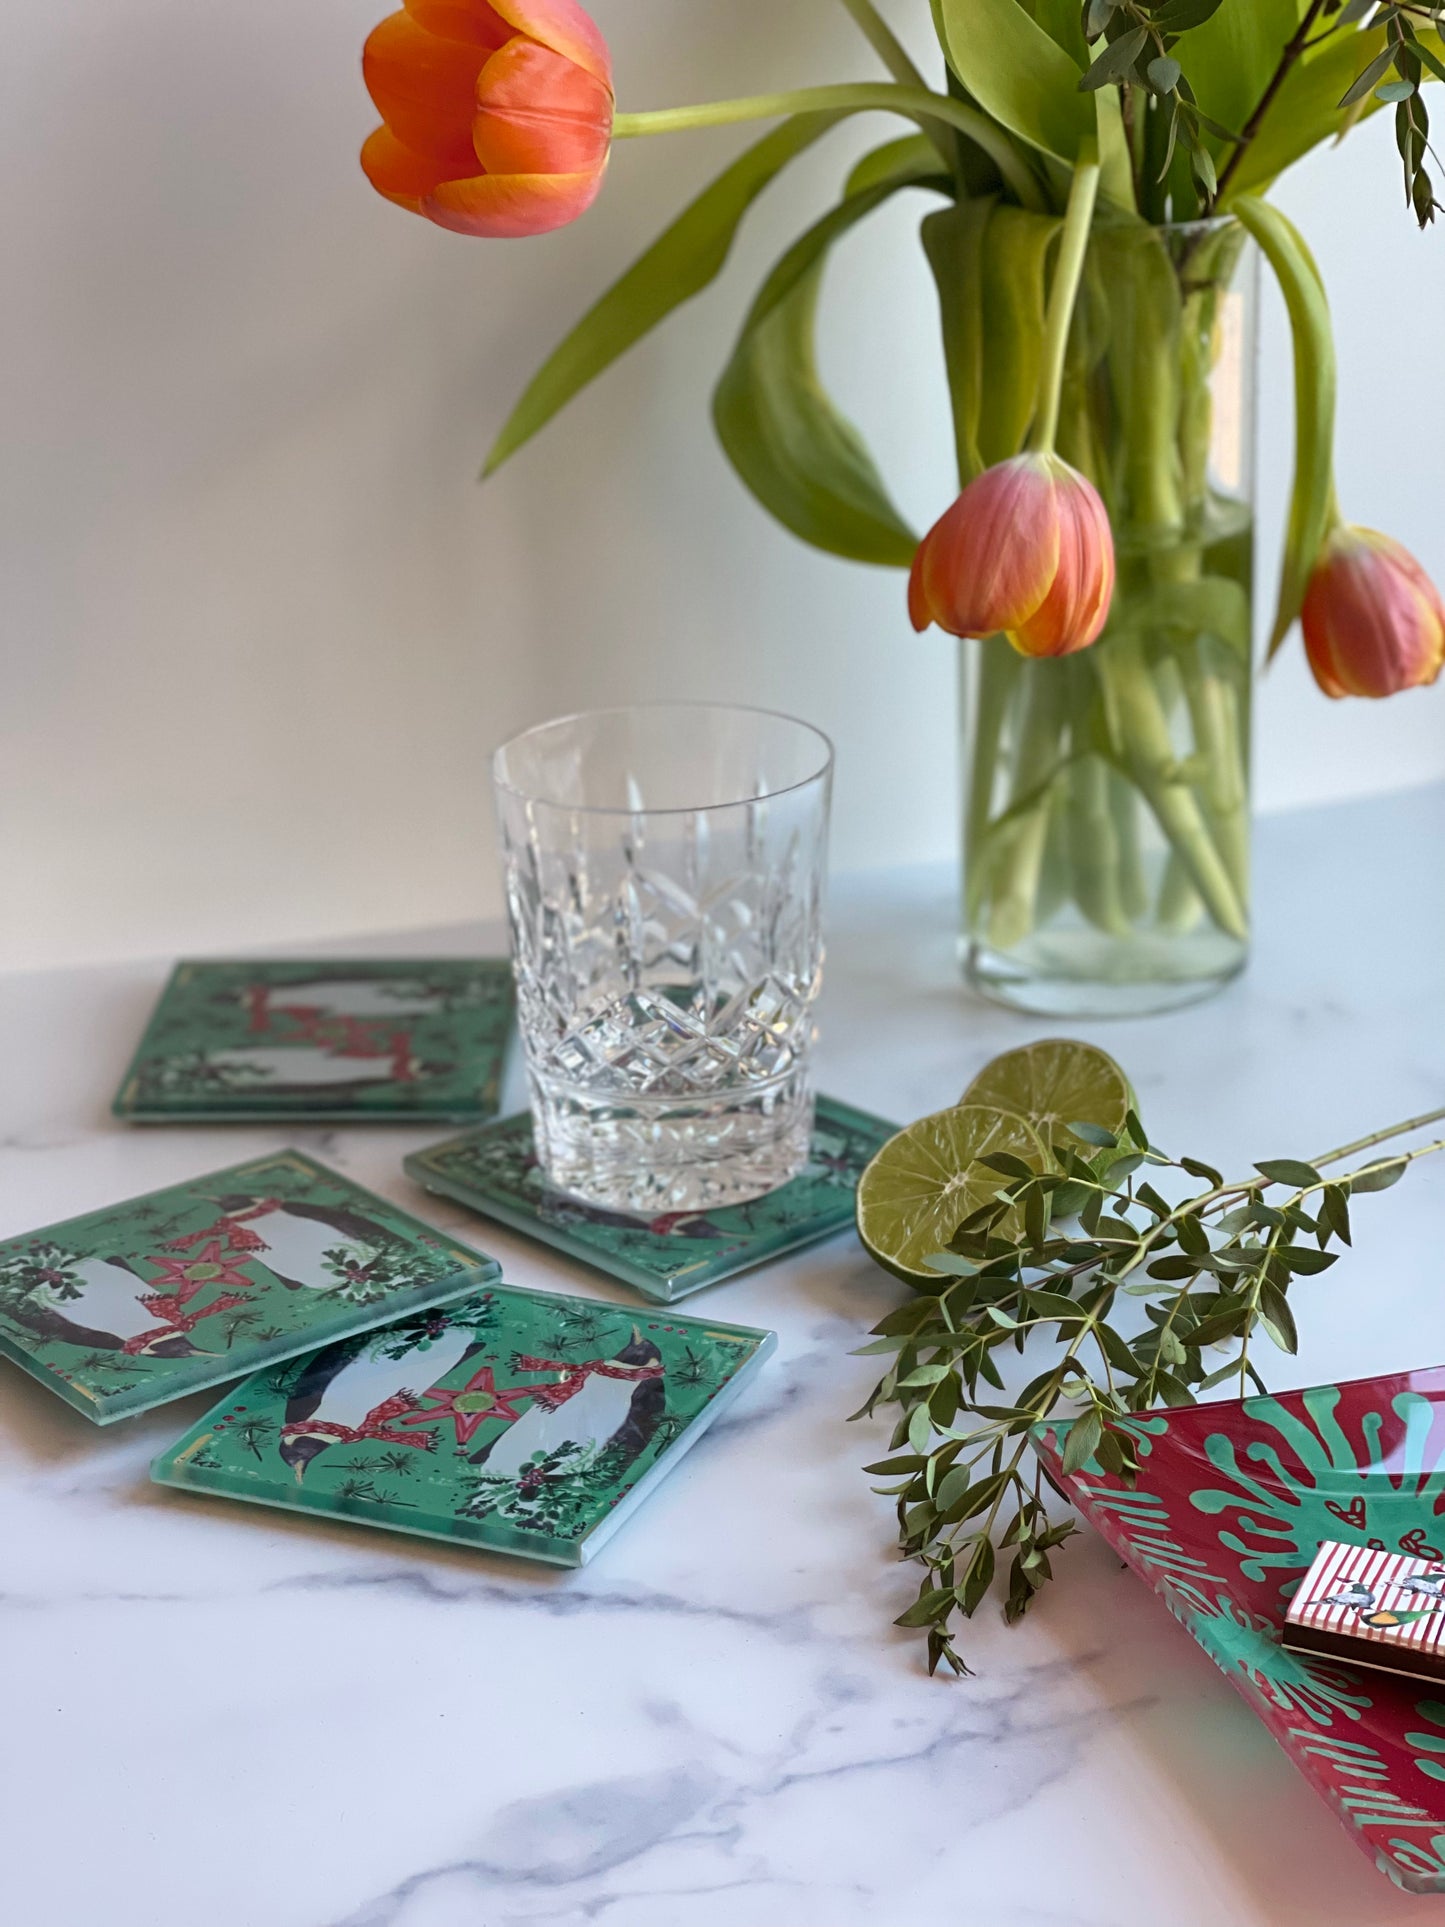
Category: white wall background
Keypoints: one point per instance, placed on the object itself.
(261, 627)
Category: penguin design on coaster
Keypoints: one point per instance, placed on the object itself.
(301, 1069)
(358, 1390)
(600, 1404)
(292, 1237)
(117, 1310)
(359, 997)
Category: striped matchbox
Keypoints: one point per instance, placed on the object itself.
(1372, 1608)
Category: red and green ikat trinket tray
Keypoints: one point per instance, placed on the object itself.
(1232, 1504)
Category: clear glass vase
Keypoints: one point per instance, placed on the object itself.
(1106, 795)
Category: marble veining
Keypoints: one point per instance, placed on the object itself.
(216, 1716)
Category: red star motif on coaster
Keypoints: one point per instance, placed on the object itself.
(205, 1267)
(480, 1399)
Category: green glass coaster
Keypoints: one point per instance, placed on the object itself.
(494, 1170)
(325, 1042)
(127, 1308)
(516, 1420)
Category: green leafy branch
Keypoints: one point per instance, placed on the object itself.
(1053, 1256)
(1407, 58)
(1135, 41)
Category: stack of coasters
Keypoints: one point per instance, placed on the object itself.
(124, 1309)
(1373, 1608)
(495, 1171)
(515, 1421)
(326, 1041)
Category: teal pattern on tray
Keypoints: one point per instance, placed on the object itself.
(394, 1039)
(495, 1171)
(1232, 1502)
(517, 1421)
(126, 1308)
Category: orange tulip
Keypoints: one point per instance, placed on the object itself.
(1025, 551)
(1373, 621)
(498, 113)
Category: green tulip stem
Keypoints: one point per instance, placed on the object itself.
(1094, 847)
(1078, 219)
(1145, 728)
(918, 103)
(1023, 835)
(885, 43)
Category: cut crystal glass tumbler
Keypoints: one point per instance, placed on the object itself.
(665, 870)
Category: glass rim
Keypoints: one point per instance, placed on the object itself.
(820, 774)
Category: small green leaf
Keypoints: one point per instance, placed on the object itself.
(1006, 1164)
(1196, 1169)
(1288, 1171)
(1116, 61)
(1170, 1269)
(928, 1607)
(1335, 1210)
(973, 1499)
(1081, 1441)
(1116, 1350)
(1379, 1177)
(978, 1577)
(950, 1263)
(1277, 1318)
(1364, 82)
(1305, 1259)
(1094, 1134)
(1163, 73)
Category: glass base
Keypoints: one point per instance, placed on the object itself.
(653, 1157)
(1102, 979)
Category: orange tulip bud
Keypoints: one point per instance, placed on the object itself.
(1373, 621)
(1026, 551)
(498, 113)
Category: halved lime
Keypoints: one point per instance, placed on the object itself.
(1053, 1084)
(926, 1181)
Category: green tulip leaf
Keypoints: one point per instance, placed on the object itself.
(953, 239)
(806, 464)
(1314, 388)
(1015, 249)
(1017, 72)
(1231, 57)
(1062, 21)
(679, 264)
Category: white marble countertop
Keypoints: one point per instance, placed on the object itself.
(219, 1717)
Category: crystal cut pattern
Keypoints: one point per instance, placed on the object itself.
(667, 965)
